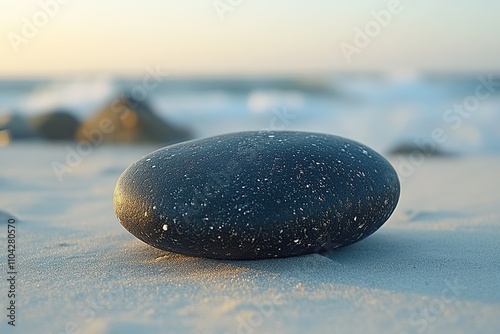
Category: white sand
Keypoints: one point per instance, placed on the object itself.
(433, 268)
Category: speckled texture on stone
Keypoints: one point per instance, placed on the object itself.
(255, 195)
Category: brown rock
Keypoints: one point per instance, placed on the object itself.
(126, 120)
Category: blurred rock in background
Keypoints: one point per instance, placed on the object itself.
(127, 120)
(57, 125)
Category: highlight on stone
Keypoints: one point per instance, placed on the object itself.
(256, 195)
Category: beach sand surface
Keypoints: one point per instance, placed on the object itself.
(434, 267)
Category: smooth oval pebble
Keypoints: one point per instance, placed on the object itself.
(255, 195)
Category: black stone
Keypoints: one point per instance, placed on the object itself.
(255, 195)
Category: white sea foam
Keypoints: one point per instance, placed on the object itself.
(379, 111)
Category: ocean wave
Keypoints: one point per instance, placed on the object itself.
(380, 111)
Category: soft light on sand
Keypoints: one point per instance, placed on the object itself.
(433, 267)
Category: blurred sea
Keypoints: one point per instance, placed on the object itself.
(381, 111)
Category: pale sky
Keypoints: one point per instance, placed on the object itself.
(190, 37)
